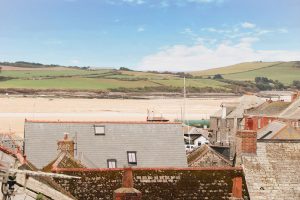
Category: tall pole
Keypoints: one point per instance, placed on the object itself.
(184, 101)
(184, 112)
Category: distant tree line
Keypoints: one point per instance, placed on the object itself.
(27, 64)
(263, 83)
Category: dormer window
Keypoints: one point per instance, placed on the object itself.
(99, 130)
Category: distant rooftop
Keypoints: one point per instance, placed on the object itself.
(269, 108)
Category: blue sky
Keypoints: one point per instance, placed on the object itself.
(177, 35)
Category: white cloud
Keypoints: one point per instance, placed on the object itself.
(283, 30)
(204, 1)
(163, 3)
(75, 61)
(248, 25)
(199, 56)
(138, 2)
(140, 29)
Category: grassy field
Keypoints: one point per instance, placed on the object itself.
(122, 80)
(285, 72)
(23, 74)
(102, 79)
(238, 68)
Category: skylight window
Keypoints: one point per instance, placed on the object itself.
(99, 130)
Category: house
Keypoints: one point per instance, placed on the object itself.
(257, 118)
(271, 165)
(205, 156)
(225, 182)
(287, 96)
(195, 137)
(225, 123)
(108, 144)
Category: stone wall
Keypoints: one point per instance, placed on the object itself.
(274, 172)
(156, 184)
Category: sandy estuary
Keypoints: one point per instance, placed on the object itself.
(14, 110)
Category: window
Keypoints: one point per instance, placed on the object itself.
(131, 156)
(112, 163)
(99, 130)
(259, 123)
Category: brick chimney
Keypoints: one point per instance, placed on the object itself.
(237, 189)
(66, 145)
(127, 192)
(246, 142)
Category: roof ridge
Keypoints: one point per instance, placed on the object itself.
(109, 122)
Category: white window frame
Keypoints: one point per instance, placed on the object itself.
(131, 157)
(97, 127)
(111, 163)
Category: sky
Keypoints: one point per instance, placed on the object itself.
(174, 35)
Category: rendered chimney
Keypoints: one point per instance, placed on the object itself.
(224, 111)
(127, 192)
(66, 145)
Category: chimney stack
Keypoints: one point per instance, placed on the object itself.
(246, 142)
(127, 192)
(237, 189)
(66, 145)
(224, 111)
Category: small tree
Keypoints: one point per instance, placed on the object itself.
(218, 76)
(296, 84)
(125, 69)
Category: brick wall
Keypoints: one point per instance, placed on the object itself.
(246, 142)
(156, 184)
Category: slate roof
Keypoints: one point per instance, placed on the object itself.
(237, 109)
(293, 111)
(272, 109)
(196, 132)
(278, 130)
(270, 130)
(156, 183)
(63, 160)
(148, 139)
(203, 151)
(274, 172)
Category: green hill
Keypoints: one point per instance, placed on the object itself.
(75, 78)
(285, 72)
